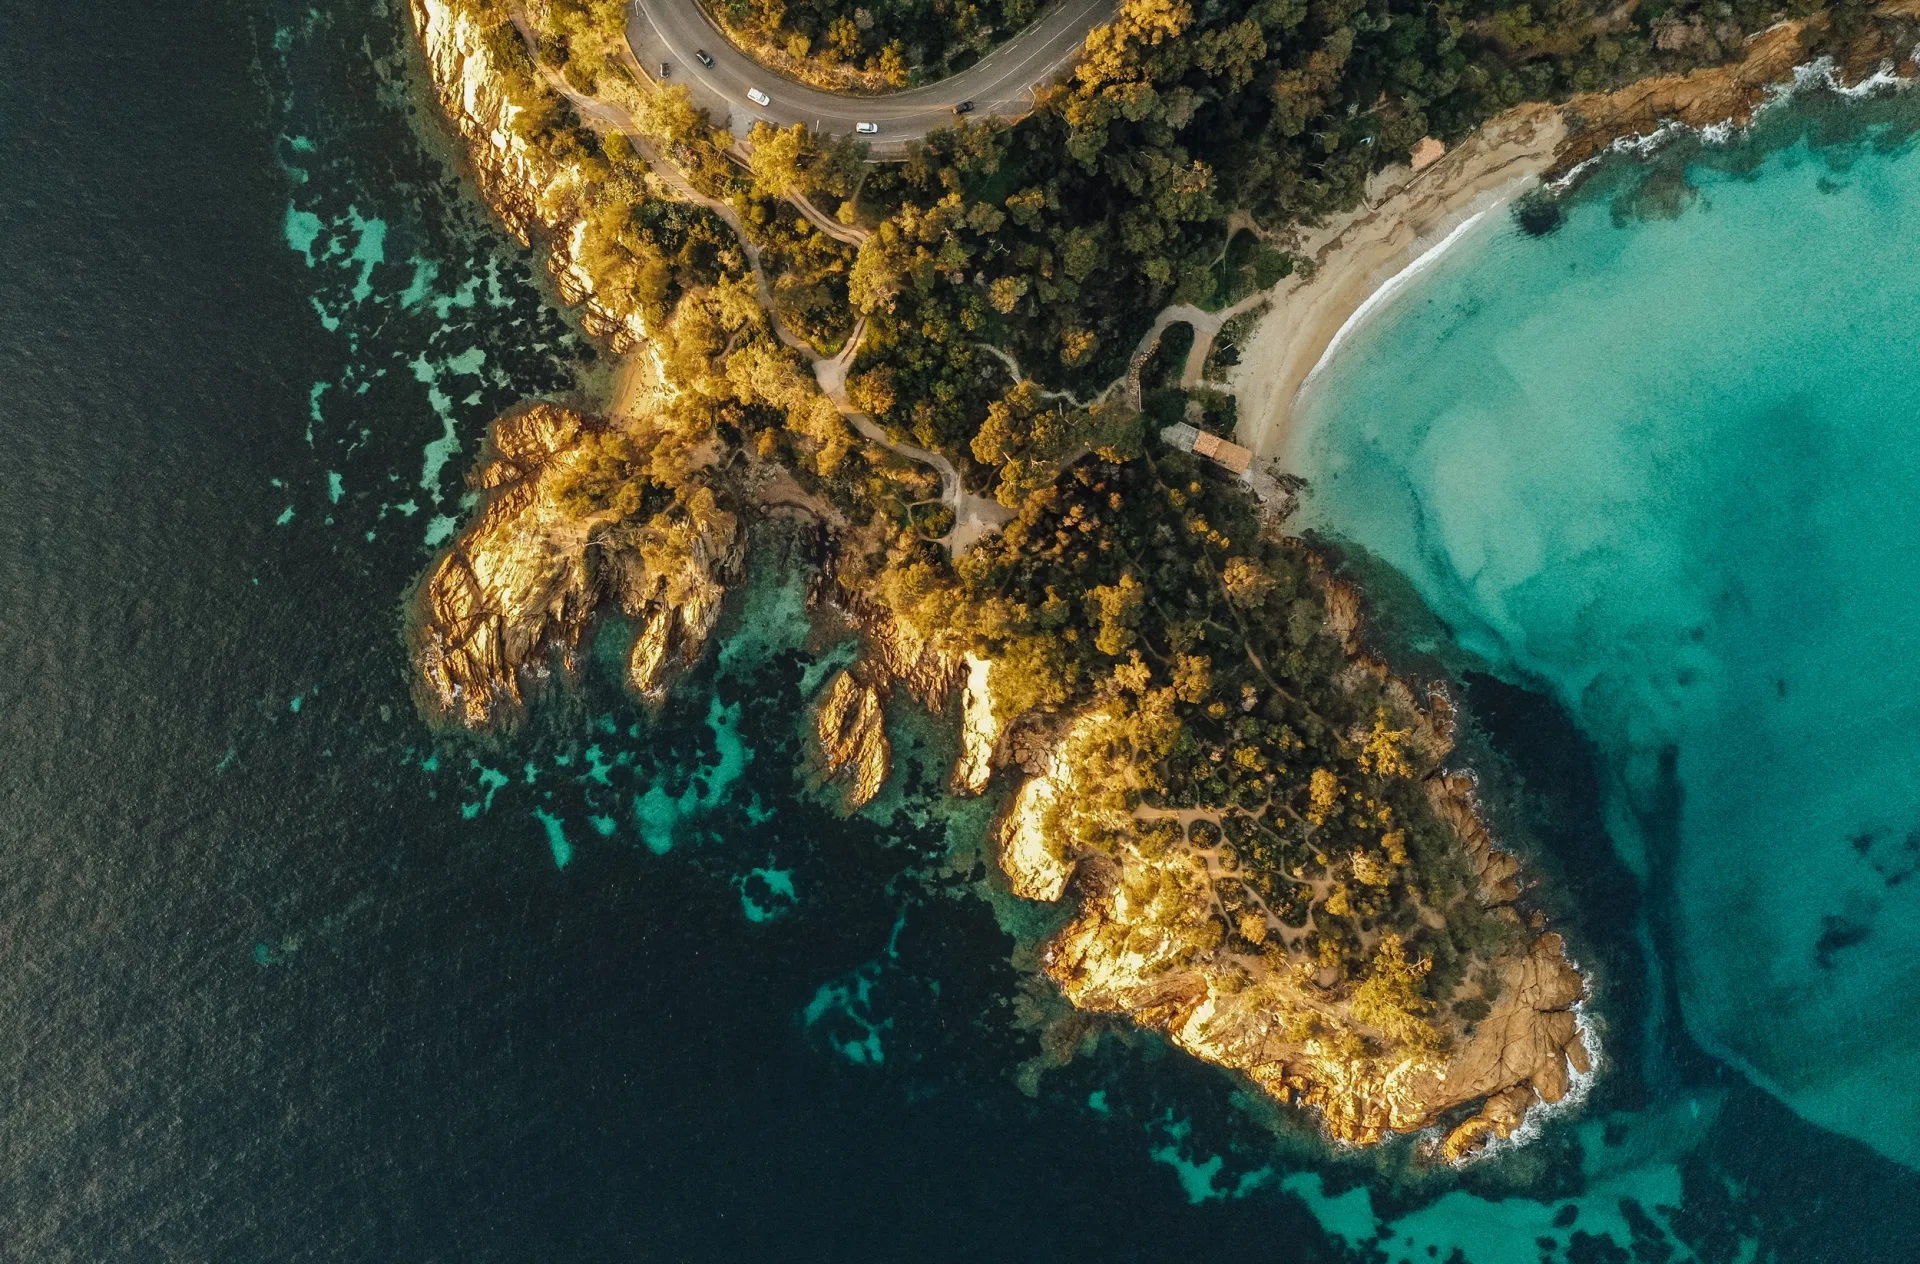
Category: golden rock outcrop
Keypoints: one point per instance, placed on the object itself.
(1885, 35)
(901, 655)
(1031, 833)
(516, 588)
(979, 729)
(1496, 872)
(850, 727)
(674, 577)
(1154, 941)
(531, 193)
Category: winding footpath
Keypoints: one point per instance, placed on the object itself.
(1206, 326)
(1002, 83)
(973, 516)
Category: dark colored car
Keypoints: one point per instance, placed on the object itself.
(705, 60)
(965, 107)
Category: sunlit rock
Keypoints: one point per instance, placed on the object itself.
(1150, 941)
(849, 725)
(979, 729)
(531, 193)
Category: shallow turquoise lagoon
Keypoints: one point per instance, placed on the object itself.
(1664, 461)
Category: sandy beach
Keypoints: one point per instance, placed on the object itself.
(1404, 216)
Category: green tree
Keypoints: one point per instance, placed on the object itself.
(1118, 609)
(779, 157)
(1390, 997)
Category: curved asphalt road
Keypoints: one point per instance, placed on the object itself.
(1001, 83)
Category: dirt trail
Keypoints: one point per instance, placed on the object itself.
(973, 516)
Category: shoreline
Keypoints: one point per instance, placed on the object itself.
(1361, 258)
(1418, 263)
(1408, 219)
(1535, 1047)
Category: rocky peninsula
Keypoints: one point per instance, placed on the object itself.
(1269, 857)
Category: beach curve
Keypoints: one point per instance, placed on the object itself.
(1407, 219)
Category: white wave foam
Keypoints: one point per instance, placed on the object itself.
(1391, 286)
(1539, 1115)
(1822, 74)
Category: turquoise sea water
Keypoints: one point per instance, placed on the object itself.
(287, 976)
(1664, 462)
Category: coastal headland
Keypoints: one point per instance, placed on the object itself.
(1266, 854)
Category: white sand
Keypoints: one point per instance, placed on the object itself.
(1404, 221)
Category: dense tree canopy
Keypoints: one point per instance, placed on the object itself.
(1008, 274)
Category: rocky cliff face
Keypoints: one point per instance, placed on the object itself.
(979, 730)
(1155, 940)
(674, 576)
(1884, 36)
(849, 729)
(533, 195)
(511, 597)
(517, 587)
(1032, 854)
(900, 655)
(514, 588)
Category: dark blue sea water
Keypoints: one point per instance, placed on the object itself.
(283, 976)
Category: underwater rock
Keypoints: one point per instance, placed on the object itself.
(849, 725)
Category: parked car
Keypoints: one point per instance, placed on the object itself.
(665, 70)
(965, 107)
(705, 60)
(867, 129)
(758, 97)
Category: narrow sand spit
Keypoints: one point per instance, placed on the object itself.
(1403, 216)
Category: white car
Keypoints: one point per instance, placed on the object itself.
(867, 129)
(758, 97)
